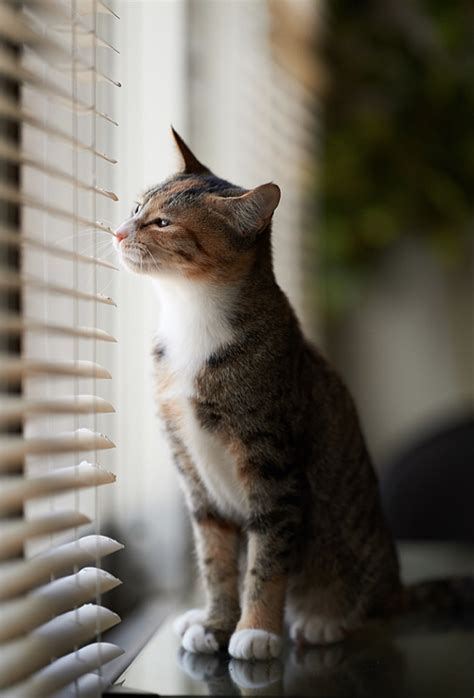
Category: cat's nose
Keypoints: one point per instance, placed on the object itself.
(122, 231)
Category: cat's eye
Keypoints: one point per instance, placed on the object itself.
(136, 210)
(160, 222)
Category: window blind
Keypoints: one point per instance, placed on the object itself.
(56, 132)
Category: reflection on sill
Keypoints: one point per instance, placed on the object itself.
(414, 657)
(418, 655)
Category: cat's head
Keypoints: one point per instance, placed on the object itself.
(196, 224)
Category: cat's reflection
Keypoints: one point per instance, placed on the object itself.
(371, 667)
(344, 669)
(211, 669)
(225, 676)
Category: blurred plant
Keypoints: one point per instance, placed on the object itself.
(398, 147)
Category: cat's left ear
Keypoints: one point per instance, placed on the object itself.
(191, 164)
(251, 212)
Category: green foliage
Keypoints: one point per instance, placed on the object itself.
(398, 146)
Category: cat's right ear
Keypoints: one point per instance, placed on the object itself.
(252, 212)
(191, 164)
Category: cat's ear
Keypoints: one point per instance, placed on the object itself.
(191, 164)
(252, 211)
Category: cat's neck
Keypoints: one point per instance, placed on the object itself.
(193, 322)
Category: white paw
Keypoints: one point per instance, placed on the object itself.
(254, 674)
(196, 639)
(316, 630)
(254, 644)
(182, 623)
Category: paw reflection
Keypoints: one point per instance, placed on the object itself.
(211, 670)
(201, 667)
(255, 674)
(318, 660)
(370, 665)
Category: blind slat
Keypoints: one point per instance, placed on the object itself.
(12, 280)
(13, 196)
(11, 68)
(20, 616)
(86, 686)
(13, 408)
(90, 74)
(19, 576)
(52, 148)
(13, 154)
(65, 670)
(15, 27)
(53, 11)
(14, 324)
(16, 489)
(18, 239)
(86, 38)
(15, 532)
(13, 449)
(20, 658)
(31, 28)
(88, 7)
(10, 110)
(13, 368)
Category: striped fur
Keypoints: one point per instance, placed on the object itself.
(265, 436)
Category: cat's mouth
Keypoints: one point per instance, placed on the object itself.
(138, 258)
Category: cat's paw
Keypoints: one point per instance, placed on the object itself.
(191, 617)
(198, 639)
(251, 675)
(254, 644)
(315, 630)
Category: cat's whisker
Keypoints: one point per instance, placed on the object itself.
(103, 289)
(96, 247)
(97, 250)
(80, 235)
(103, 253)
(154, 260)
(84, 231)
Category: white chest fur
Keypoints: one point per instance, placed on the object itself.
(215, 464)
(192, 326)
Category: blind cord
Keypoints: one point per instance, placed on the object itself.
(75, 264)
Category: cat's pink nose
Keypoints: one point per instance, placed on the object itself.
(122, 231)
(121, 236)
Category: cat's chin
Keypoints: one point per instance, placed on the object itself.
(137, 265)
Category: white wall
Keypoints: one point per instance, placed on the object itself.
(152, 70)
(251, 120)
(248, 121)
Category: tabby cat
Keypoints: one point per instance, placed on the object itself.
(265, 435)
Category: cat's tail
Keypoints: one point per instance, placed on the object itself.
(448, 594)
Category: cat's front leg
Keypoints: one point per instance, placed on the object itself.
(217, 546)
(272, 526)
(258, 633)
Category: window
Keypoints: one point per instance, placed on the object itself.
(56, 69)
(58, 176)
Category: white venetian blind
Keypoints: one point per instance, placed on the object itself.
(56, 131)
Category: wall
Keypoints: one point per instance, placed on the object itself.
(152, 70)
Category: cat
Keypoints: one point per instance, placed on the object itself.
(264, 434)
